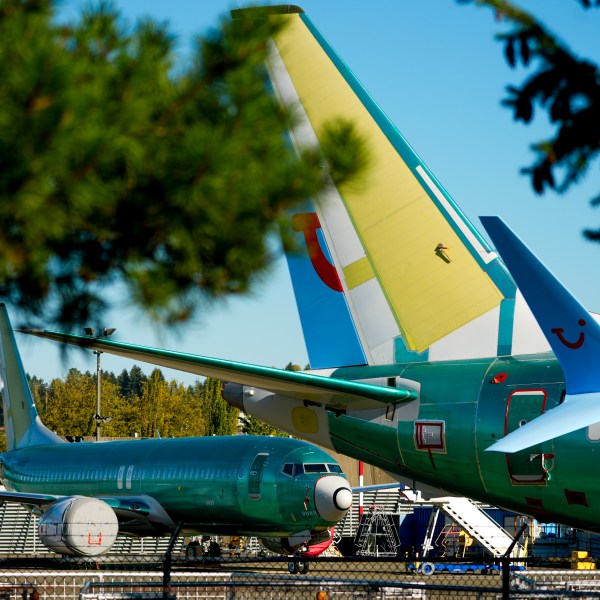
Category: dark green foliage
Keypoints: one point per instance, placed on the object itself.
(119, 165)
(137, 379)
(563, 85)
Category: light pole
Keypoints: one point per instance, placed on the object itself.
(98, 418)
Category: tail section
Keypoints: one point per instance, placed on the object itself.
(572, 332)
(23, 425)
(404, 273)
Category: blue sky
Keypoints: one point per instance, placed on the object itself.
(436, 70)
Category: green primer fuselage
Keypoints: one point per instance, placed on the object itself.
(212, 484)
(474, 403)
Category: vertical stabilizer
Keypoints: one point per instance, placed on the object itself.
(21, 419)
(406, 274)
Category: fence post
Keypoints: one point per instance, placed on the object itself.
(505, 563)
(167, 562)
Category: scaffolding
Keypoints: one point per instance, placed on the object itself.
(376, 535)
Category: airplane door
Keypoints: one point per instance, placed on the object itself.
(529, 466)
(255, 475)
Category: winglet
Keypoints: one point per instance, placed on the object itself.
(573, 334)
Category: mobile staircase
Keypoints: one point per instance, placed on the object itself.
(474, 522)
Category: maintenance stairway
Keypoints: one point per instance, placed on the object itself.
(475, 522)
(468, 515)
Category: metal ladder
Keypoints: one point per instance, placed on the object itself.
(376, 520)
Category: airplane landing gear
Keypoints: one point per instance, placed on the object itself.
(298, 566)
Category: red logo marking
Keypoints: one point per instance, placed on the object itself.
(573, 345)
(308, 223)
(97, 541)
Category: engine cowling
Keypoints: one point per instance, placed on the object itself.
(79, 526)
(313, 544)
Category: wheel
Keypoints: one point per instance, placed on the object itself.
(303, 568)
(427, 568)
(293, 567)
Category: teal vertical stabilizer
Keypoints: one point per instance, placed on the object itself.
(23, 424)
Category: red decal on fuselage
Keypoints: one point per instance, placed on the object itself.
(308, 223)
(573, 345)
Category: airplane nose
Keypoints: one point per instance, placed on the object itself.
(333, 497)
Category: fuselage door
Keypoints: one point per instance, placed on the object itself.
(529, 466)
(255, 475)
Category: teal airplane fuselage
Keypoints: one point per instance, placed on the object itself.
(281, 489)
(464, 407)
(226, 485)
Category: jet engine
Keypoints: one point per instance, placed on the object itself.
(311, 544)
(79, 526)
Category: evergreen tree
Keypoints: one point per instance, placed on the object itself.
(167, 180)
(124, 383)
(137, 379)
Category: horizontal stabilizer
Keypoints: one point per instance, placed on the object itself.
(573, 334)
(574, 413)
(328, 391)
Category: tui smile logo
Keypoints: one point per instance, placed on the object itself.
(573, 345)
(308, 223)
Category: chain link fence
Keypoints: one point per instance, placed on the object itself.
(321, 578)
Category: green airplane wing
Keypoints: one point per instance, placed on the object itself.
(328, 391)
(28, 498)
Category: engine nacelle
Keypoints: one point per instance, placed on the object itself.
(308, 545)
(79, 526)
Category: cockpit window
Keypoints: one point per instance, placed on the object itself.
(295, 469)
(315, 468)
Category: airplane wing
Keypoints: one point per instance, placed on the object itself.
(136, 514)
(337, 393)
(28, 498)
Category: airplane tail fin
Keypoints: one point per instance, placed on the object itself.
(572, 332)
(21, 419)
(393, 270)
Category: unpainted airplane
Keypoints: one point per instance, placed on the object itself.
(428, 360)
(286, 492)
